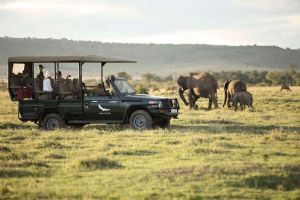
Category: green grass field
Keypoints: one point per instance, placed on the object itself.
(217, 154)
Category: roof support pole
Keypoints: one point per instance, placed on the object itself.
(102, 65)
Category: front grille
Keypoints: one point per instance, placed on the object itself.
(167, 103)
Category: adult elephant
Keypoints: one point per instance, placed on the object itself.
(198, 85)
(232, 87)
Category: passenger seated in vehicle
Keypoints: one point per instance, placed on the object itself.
(99, 90)
(47, 86)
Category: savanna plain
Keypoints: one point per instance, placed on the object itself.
(217, 154)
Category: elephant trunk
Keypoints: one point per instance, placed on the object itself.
(181, 91)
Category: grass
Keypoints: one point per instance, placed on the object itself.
(215, 154)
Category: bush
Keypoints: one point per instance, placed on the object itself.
(141, 89)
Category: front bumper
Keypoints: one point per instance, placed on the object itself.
(170, 111)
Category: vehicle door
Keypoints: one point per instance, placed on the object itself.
(102, 108)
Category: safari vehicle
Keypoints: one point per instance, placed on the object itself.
(75, 103)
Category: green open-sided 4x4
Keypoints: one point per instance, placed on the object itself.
(74, 103)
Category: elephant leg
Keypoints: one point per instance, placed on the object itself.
(191, 100)
(194, 102)
(225, 97)
(181, 95)
(214, 100)
(242, 106)
(228, 101)
(209, 103)
(235, 107)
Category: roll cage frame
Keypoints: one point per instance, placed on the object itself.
(56, 60)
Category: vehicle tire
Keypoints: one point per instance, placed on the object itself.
(164, 124)
(140, 120)
(53, 121)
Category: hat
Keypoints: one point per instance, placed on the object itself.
(48, 74)
(41, 66)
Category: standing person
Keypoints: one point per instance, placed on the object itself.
(41, 73)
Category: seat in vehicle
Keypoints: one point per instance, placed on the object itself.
(64, 90)
(98, 91)
(38, 89)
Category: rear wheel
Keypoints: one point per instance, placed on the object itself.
(140, 120)
(53, 121)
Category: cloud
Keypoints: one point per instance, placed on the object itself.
(271, 5)
(229, 22)
(209, 36)
(69, 7)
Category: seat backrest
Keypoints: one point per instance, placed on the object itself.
(63, 87)
(38, 85)
(14, 81)
(76, 83)
(72, 86)
(98, 91)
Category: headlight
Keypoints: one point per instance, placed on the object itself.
(157, 104)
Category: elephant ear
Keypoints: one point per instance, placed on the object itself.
(182, 82)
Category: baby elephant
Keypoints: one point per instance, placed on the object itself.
(244, 98)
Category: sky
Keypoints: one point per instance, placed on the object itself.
(217, 22)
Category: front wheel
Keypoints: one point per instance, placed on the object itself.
(140, 120)
(53, 121)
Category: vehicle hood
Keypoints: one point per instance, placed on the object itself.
(141, 97)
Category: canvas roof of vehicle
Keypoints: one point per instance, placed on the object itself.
(88, 58)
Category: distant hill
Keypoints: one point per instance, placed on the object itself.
(157, 58)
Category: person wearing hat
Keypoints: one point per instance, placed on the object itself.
(41, 73)
(47, 82)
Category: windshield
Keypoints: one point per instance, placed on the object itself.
(124, 87)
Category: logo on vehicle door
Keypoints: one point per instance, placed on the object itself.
(103, 109)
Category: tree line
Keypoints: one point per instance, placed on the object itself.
(254, 77)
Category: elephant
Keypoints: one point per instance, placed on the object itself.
(232, 87)
(244, 98)
(199, 85)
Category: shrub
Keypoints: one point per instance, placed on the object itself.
(141, 89)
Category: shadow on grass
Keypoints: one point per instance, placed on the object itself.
(274, 182)
(19, 173)
(101, 163)
(52, 145)
(107, 127)
(16, 126)
(56, 156)
(39, 164)
(14, 156)
(4, 149)
(142, 152)
(235, 128)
